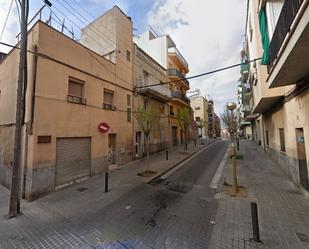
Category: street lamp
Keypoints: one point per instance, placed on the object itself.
(231, 106)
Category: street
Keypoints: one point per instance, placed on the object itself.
(174, 213)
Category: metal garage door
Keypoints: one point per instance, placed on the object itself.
(73, 159)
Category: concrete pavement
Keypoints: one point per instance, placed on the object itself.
(283, 209)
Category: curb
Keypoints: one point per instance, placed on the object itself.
(153, 179)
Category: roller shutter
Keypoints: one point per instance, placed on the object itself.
(73, 159)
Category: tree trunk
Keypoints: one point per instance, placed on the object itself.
(147, 152)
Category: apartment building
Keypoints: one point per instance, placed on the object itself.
(278, 31)
(164, 51)
(156, 98)
(78, 107)
(211, 119)
(199, 105)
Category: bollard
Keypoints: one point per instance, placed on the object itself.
(195, 142)
(106, 182)
(186, 146)
(238, 144)
(166, 155)
(255, 222)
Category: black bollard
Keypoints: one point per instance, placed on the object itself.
(238, 144)
(166, 155)
(195, 142)
(106, 182)
(255, 222)
(186, 146)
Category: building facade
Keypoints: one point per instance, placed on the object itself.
(78, 117)
(199, 105)
(164, 51)
(148, 72)
(278, 31)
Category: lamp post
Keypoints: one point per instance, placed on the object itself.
(231, 107)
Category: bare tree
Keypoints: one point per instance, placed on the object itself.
(184, 119)
(146, 119)
(230, 122)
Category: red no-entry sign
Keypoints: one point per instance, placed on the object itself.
(103, 127)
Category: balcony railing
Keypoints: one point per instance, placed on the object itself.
(181, 96)
(109, 107)
(285, 20)
(174, 50)
(174, 72)
(76, 100)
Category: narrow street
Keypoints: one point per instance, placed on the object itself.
(174, 213)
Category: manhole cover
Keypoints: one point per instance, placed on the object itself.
(303, 237)
(82, 189)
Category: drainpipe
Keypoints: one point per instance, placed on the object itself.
(29, 125)
(263, 128)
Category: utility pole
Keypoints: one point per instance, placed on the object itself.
(14, 208)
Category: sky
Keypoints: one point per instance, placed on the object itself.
(208, 33)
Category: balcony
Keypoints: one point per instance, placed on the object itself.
(109, 107)
(76, 100)
(244, 71)
(179, 59)
(159, 92)
(174, 73)
(289, 50)
(180, 96)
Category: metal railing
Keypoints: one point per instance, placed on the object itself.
(175, 72)
(76, 100)
(181, 96)
(289, 11)
(174, 50)
(109, 107)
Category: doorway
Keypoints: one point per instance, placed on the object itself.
(174, 136)
(302, 159)
(112, 148)
(138, 145)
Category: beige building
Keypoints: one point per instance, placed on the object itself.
(164, 51)
(199, 105)
(148, 72)
(78, 108)
(279, 84)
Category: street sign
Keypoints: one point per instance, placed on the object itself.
(103, 127)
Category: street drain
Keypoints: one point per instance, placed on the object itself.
(178, 188)
(303, 237)
(82, 189)
(156, 181)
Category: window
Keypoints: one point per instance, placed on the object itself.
(282, 139)
(172, 111)
(197, 119)
(76, 91)
(162, 109)
(128, 100)
(128, 114)
(108, 100)
(146, 76)
(128, 55)
(197, 108)
(267, 138)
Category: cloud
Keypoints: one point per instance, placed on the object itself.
(12, 26)
(209, 35)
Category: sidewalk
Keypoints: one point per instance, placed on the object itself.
(43, 219)
(282, 207)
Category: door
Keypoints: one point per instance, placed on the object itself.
(138, 145)
(73, 159)
(174, 136)
(302, 159)
(112, 148)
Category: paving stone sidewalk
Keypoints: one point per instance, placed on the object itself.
(47, 222)
(283, 208)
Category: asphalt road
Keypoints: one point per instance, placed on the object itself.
(175, 213)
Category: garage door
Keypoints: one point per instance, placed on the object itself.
(73, 159)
